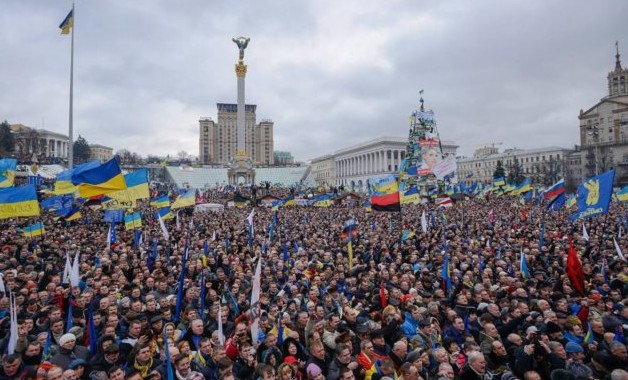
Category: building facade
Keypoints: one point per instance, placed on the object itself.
(100, 152)
(543, 165)
(604, 129)
(354, 165)
(218, 139)
(324, 170)
(283, 158)
(40, 143)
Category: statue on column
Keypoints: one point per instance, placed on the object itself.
(242, 43)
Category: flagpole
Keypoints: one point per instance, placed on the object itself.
(70, 132)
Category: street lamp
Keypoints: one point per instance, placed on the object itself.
(593, 131)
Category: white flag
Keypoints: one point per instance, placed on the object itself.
(68, 268)
(109, 237)
(255, 309)
(221, 335)
(13, 329)
(619, 253)
(214, 236)
(2, 289)
(163, 228)
(423, 222)
(191, 223)
(249, 219)
(178, 224)
(74, 271)
(585, 235)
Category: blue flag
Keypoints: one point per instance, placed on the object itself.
(594, 196)
(177, 313)
(523, 266)
(91, 330)
(202, 295)
(69, 323)
(169, 373)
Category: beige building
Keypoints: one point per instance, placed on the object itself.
(100, 152)
(40, 143)
(217, 142)
(604, 129)
(323, 170)
(542, 165)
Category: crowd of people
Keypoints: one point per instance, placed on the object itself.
(386, 313)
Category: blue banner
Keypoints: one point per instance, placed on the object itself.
(114, 216)
(594, 196)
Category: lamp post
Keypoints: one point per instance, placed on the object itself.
(593, 131)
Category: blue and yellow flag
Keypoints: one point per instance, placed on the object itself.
(411, 196)
(289, 201)
(164, 213)
(100, 180)
(33, 230)
(63, 183)
(499, 181)
(594, 196)
(74, 214)
(622, 194)
(133, 220)
(160, 202)
(407, 234)
(185, 200)
(136, 187)
(323, 201)
(7, 172)
(18, 201)
(589, 337)
(524, 186)
(523, 266)
(68, 23)
(571, 201)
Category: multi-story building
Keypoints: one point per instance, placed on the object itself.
(40, 143)
(217, 142)
(542, 165)
(100, 152)
(283, 158)
(604, 129)
(355, 164)
(323, 170)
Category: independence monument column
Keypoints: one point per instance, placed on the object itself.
(241, 169)
(240, 69)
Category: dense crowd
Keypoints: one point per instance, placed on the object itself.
(386, 315)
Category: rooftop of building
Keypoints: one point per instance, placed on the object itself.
(515, 152)
(99, 146)
(200, 178)
(21, 128)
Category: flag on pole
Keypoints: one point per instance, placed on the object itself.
(13, 333)
(618, 250)
(594, 196)
(169, 372)
(103, 179)
(69, 323)
(574, 269)
(446, 275)
(67, 269)
(255, 308)
(221, 334)
(18, 201)
(74, 272)
(555, 190)
(423, 223)
(91, 337)
(585, 235)
(67, 23)
(2, 288)
(202, 295)
(179, 303)
(163, 228)
(523, 266)
(249, 221)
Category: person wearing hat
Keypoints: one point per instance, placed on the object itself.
(78, 366)
(380, 348)
(575, 361)
(68, 351)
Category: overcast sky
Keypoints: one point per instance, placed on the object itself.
(329, 73)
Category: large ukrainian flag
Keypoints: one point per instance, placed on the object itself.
(100, 180)
(63, 183)
(7, 171)
(33, 230)
(18, 201)
(164, 213)
(137, 187)
(185, 200)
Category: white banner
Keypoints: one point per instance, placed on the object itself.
(445, 167)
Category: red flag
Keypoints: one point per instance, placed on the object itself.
(574, 269)
(382, 295)
(524, 215)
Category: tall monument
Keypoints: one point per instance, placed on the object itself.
(241, 168)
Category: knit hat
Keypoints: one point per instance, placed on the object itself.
(573, 348)
(313, 370)
(65, 338)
